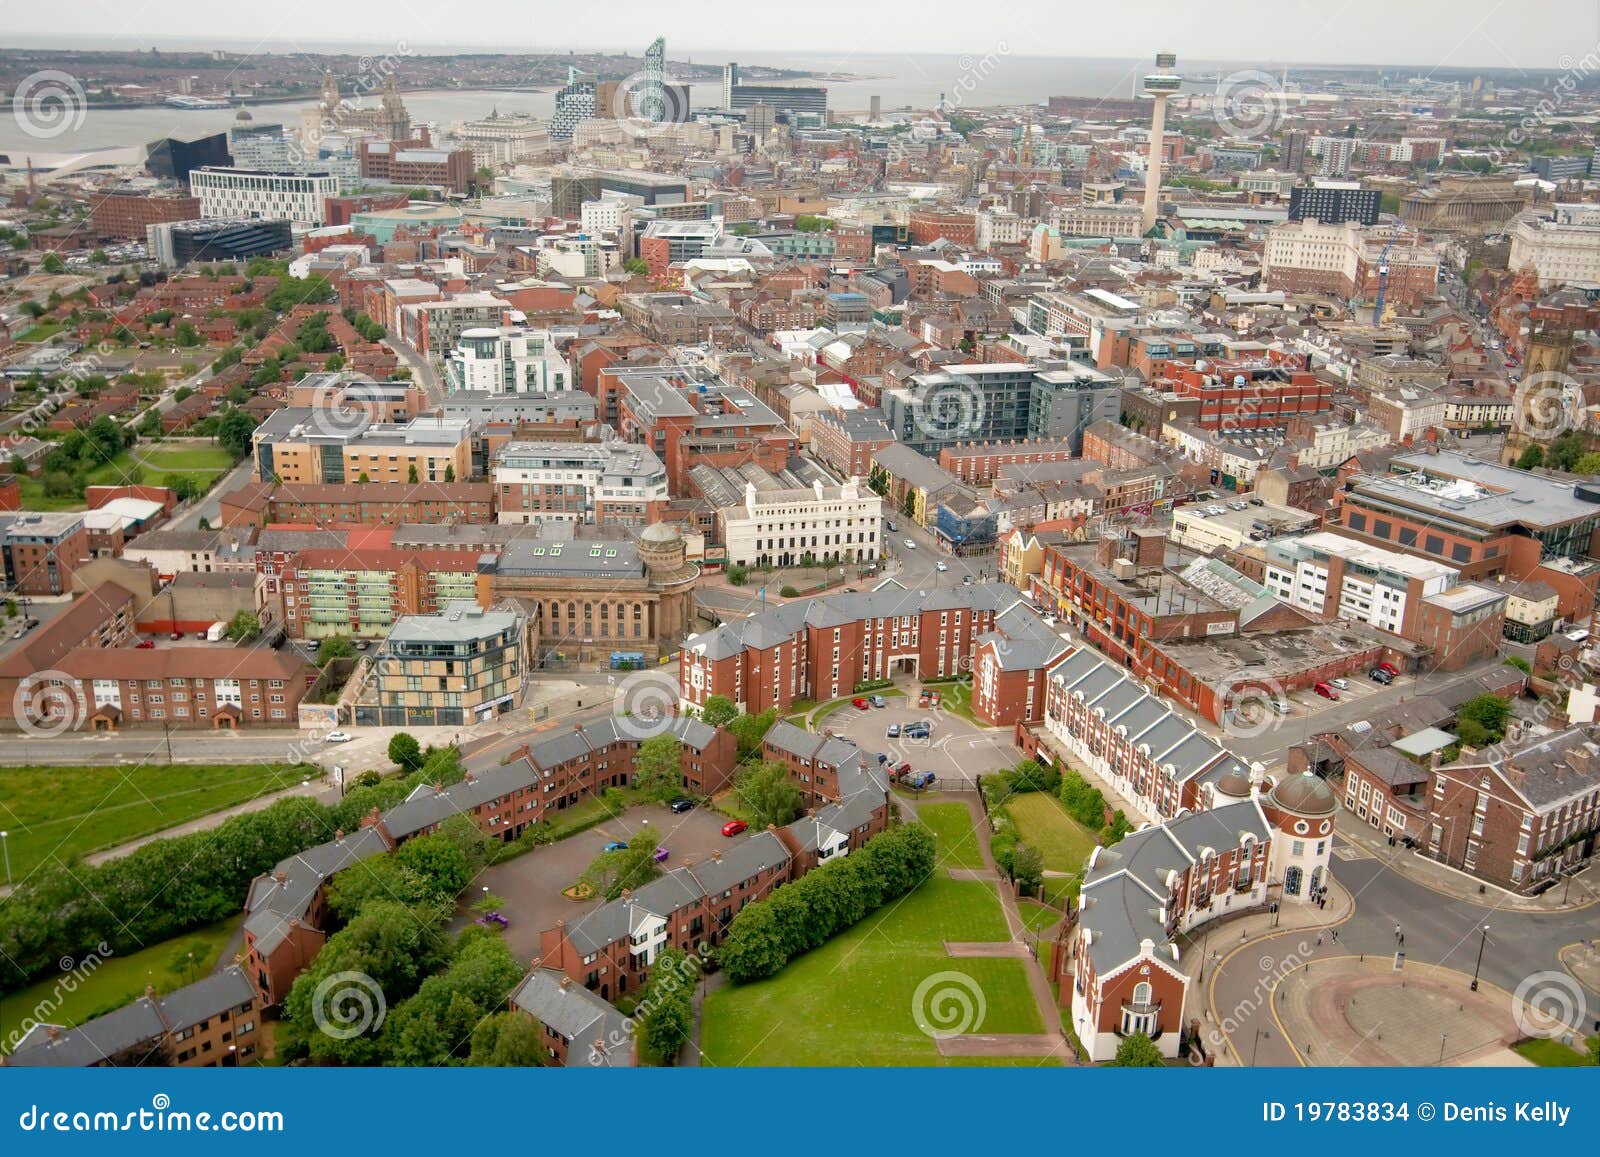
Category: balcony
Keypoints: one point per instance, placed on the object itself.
(1141, 1007)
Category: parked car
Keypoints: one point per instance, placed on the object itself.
(894, 731)
(616, 846)
(900, 769)
(734, 827)
(17, 634)
(922, 700)
(918, 730)
(1379, 675)
(336, 737)
(1326, 691)
(920, 780)
(1280, 706)
(966, 580)
(933, 700)
(146, 645)
(362, 644)
(1340, 684)
(178, 635)
(942, 567)
(1389, 667)
(894, 527)
(679, 806)
(860, 703)
(879, 701)
(661, 855)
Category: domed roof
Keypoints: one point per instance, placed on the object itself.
(1235, 783)
(659, 534)
(244, 115)
(1306, 794)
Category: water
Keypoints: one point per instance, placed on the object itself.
(984, 77)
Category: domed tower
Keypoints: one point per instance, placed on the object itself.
(1231, 786)
(1300, 809)
(662, 550)
(672, 580)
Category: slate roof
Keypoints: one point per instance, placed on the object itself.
(579, 1015)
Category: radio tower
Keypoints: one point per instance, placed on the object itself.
(1159, 85)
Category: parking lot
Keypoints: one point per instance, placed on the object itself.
(531, 884)
(1360, 686)
(956, 751)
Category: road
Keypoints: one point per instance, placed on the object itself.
(421, 368)
(1438, 929)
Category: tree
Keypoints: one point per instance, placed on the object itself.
(768, 796)
(450, 472)
(719, 711)
(1531, 458)
(186, 335)
(1138, 1051)
(909, 507)
(750, 730)
(666, 1011)
(636, 266)
(242, 626)
(738, 575)
(1027, 869)
(658, 768)
(334, 363)
(508, 1040)
(1482, 720)
(52, 263)
(405, 751)
(234, 433)
(337, 647)
(411, 474)
(1588, 464)
(628, 868)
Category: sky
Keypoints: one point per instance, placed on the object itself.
(1518, 34)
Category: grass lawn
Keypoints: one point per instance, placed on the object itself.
(44, 331)
(1550, 1054)
(1042, 822)
(1036, 918)
(62, 812)
(182, 458)
(951, 824)
(1059, 889)
(116, 981)
(956, 698)
(850, 1001)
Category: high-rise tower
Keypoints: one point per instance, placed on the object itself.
(1159, 85)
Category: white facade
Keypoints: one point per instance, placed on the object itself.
(1001, 227)
(606, 214)
(1375, 588)
(1334, 442)
(506, 360)
(778, 527)
(580, 475)
(228, 194)
(1561, 251)
(1302, 246)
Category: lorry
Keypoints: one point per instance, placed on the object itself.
(215, 632)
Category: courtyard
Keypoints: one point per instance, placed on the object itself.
(957, 751)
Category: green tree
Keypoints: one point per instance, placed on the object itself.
(186, 335)
(719, 711)
(242, 626)
(508, 1040)
(411, 474)
(750, 730)
(1482, 720)
(449, 472)
(1138, 1051)
(1587, 464)
(768, 796)
(1027, 869)
(658, 768)
(738, 575)
(234, 433)
(336, 647)
(52, 263)
(631, 867)
(1531, 458)
(636, 266)
(436, 1026)
(665, 1014)
(404, 750)
(909, 507)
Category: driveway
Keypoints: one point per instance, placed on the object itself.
(957, 752)
(531, 884)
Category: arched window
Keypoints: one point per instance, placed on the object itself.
(1142, 992)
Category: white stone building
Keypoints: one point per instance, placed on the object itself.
(507, 360)
(777, 527)
(230, 194)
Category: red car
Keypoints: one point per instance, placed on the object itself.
(1326, 691)
(146, 645)
(860, 703)
(1389, 667)
(922, 700)
(933, 700)
(734, 827)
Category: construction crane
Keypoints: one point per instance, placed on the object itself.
(1383, 276)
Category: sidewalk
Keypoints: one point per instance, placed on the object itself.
(1458, 885)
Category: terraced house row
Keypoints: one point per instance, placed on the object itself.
(821, 648)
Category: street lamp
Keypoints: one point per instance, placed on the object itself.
(1484, 939)
(1260, 1032)
(6, 849)
(1444, 1036)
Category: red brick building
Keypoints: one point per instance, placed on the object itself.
(124, 215)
